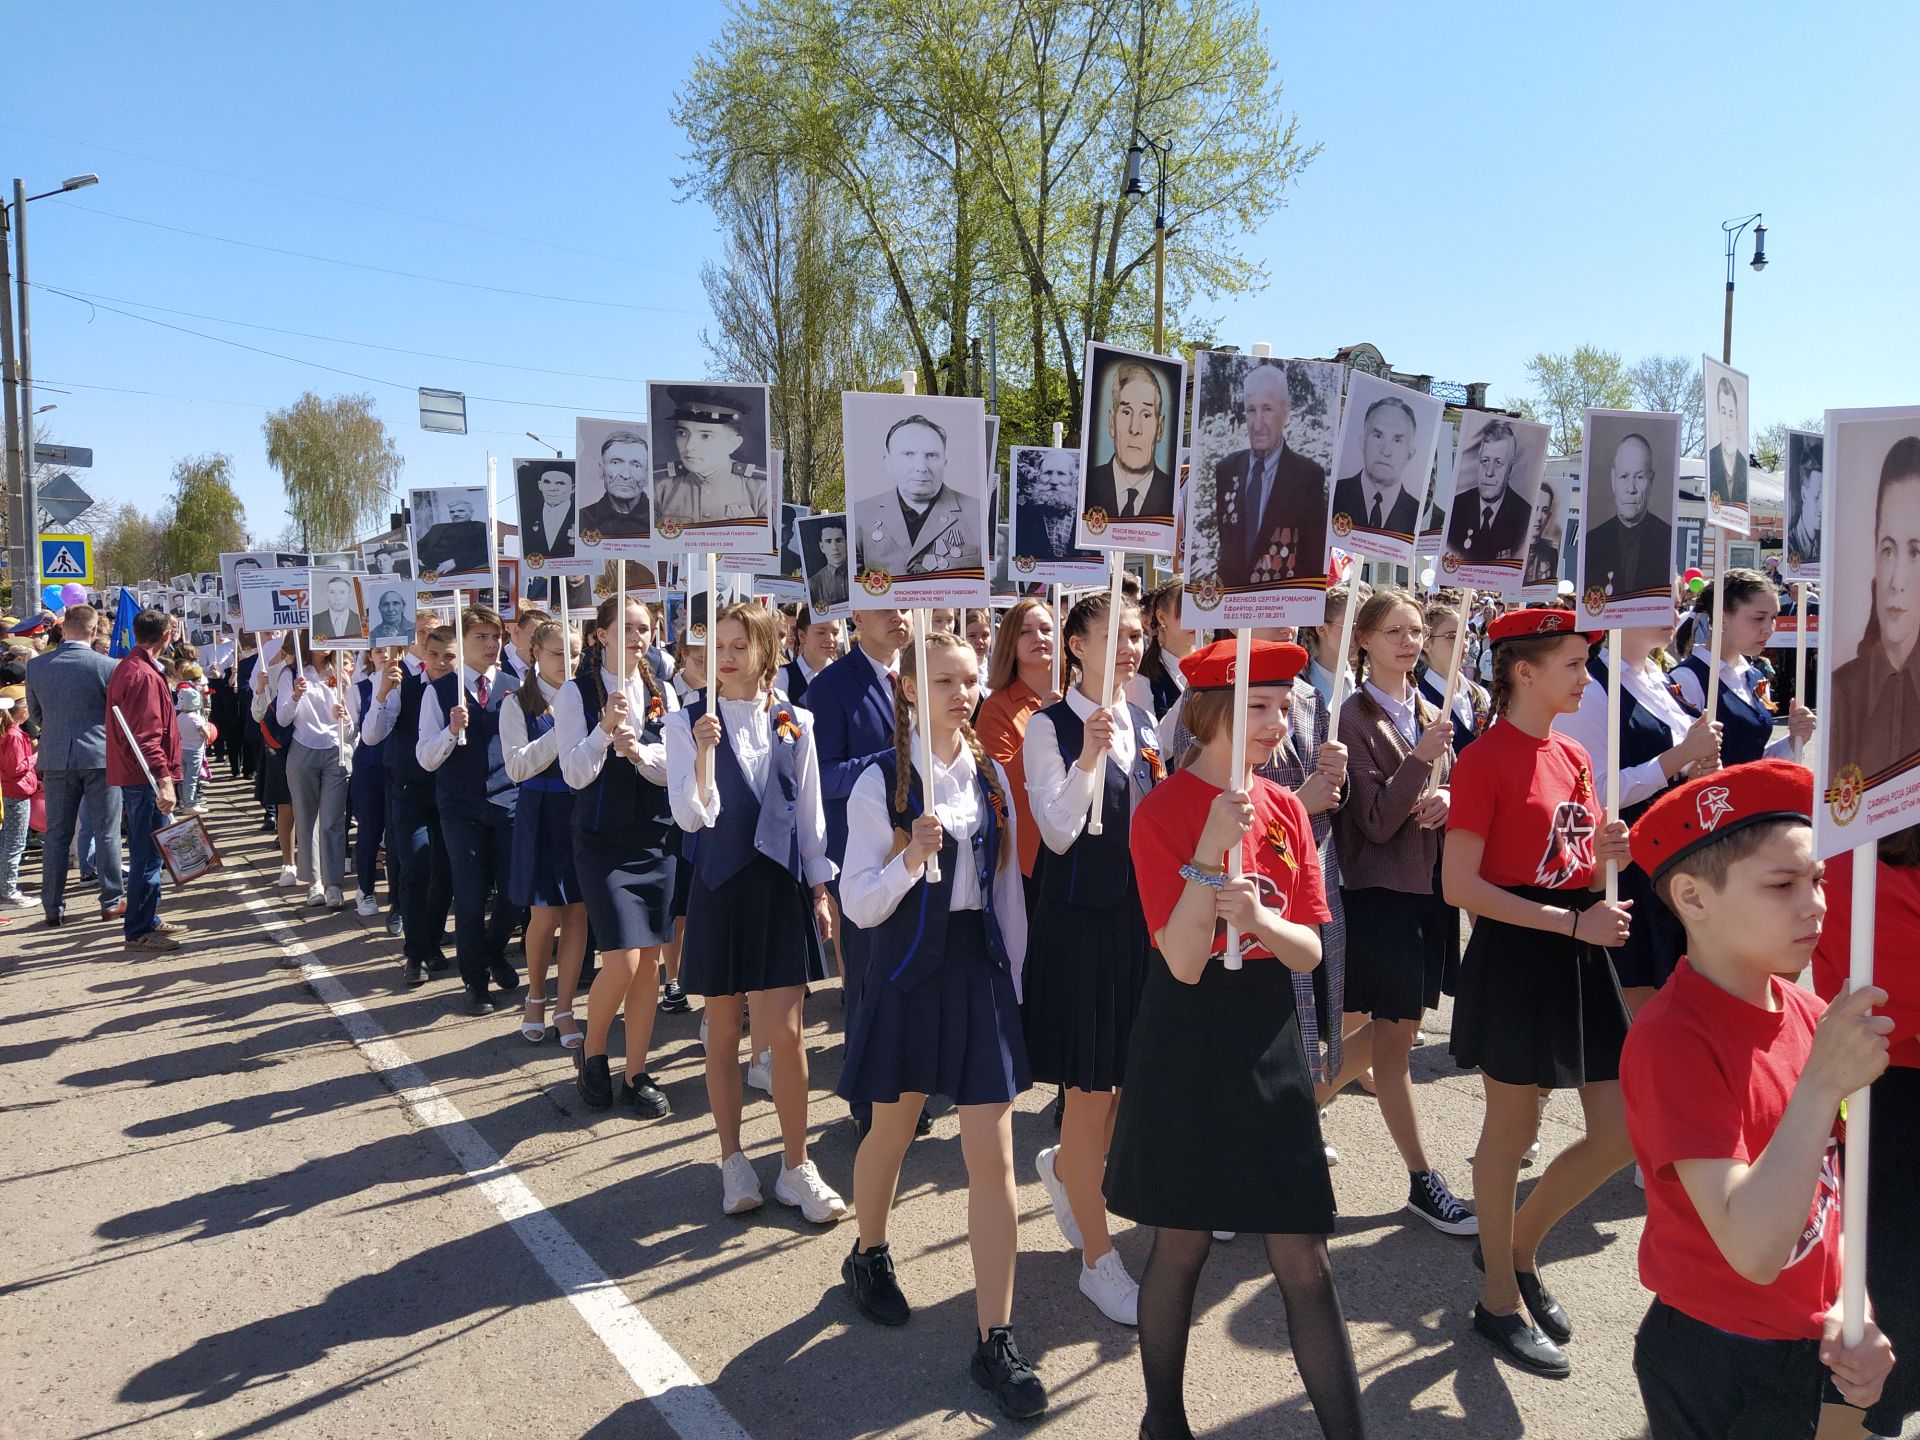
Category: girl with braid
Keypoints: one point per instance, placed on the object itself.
(938, 1013)
(609, 719)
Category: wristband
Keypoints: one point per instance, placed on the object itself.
(1193, 872)
(1574, 928)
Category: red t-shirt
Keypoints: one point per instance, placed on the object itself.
(1896, 948)
(1278, 850)
(1532, 801)
(1707, 1076)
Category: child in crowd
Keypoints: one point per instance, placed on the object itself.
(18, 785)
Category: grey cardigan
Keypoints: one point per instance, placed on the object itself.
(1380, 845)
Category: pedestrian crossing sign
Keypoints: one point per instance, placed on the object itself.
(65, 558)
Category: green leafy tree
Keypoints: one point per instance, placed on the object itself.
(338, 463)
(129, 545)
(203, 517)
(1672, 382)
(1565, 387)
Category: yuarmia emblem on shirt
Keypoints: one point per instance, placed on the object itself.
(1569, 846)
(1826, 1202)
(1277, 842)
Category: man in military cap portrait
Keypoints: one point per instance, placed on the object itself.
(621, 511)
(922, 526)
(703, 484)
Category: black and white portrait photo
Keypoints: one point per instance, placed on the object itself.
(543, 495)
(1630, 478)
(547, 591)
(1496, 477)
(825, 552)
(388, 558)
(450, 540)
(231, 566)
(1805, 477)
(207, 582)
(393, 605)
(1046, 488)
(1870, 611)
(337, 612)
(1387, 439)
(1130, 431)
(789, 562)
(1546, 529)
(1263, 447)
(1727, 441)
(712, 480)
(916, 471)
(613, 466)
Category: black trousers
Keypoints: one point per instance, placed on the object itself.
(1701, 1383)
(479, 843)
(417, 852)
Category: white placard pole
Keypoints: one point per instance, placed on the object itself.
(493, 532)
(340, 697)
(1800, 658)
(1718, 629)
(1613, 753)
(134, 744)
(1059, 625)
(1853, 1194)
(566, 626)
(1237, 765)
(1339, 693)
(459, 659)
(713, 679)
(922, 628)
(1109, 691)
(1459, 657)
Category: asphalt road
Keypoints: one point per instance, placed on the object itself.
(258, 1187)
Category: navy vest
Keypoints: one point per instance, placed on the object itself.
(474, 775)
(619, 795)
(363, 753)
(403, 763)
(911, 943)
(747, 827)
(1165, 688)
(549, 779)
(1748, 728)
(1435, 689)
(1097, 870)
(1643, 735)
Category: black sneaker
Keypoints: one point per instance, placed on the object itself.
(1430, 1199)
(673, 1000)
(1521, 1343)
(480, 1002)
(1548, 1313)
(592, 1079)
(923, 1127)
(870, 1281)
(416, 974)
(999, 1366)
(504, 975)
(393, 923)
(647, 1099)
(439, 964)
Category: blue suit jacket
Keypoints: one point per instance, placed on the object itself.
(852, 723)
(67, 695)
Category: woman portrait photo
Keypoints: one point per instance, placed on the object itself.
(1874, 709)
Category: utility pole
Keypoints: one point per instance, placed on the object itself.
(30, 502)
(19, 520)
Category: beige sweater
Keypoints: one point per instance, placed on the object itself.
(1380, 845)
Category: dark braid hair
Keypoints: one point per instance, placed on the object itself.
(903, 727)
(533, 700)
(1157, 598)
(1740, 585)
(593, 655)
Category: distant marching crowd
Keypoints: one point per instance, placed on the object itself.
(1061, 915)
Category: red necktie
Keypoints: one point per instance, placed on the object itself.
(480, 689)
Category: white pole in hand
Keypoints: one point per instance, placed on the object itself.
(1237, 764)
(1339, 694)
(138, 754)
(922, 628)
(713, 680)
(1109, 691)
(1800, 656)
(1613, 753)
(1719, 583)
(459, 660)
(1853, 1195)
(1459, 657)
(1059, 633)
(340, 688)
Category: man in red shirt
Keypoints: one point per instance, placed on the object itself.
(1733, 1078)
(140, 705)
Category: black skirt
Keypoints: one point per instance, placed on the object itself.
(1893, 1242)
(542, 870)
(270, 786)
(755, 932)
(1656, 940)
(1536, 1008)
(1389, 949)
(1081, 990)
(626, 878)
(1217, 1127)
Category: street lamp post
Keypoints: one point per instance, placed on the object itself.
(1734, 229)
(1136, 184)
(558, 453)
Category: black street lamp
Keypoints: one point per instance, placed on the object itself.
(1136, 184)
(1734, 229)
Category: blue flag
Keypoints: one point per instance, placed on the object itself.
(123, 624)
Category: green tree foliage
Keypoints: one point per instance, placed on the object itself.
(1672, 382)
(1565, 387)
(337, 462)
(977, 149)
(203, 516)
(129, 545)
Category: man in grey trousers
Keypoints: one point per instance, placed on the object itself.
(67, 697)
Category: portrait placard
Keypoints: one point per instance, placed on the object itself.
(642, 577)
(544, 501)
(387, 559)
(1868, 773)
(186, 849)
(1554, 518)
(916, 468)
(1630, 483)
(613, 468)
(337, 610)
(449, 530)
(273, 599)
(392, 603)
(232, 565)
(1496, 482)
(712, 486)
(1727, 441)
(1046, 494)
(827, 564)
(1263, 439)
(1388, 435)
(1130, 420)
(1806, 472)
(1433, 524)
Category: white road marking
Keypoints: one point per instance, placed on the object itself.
(684, 1402)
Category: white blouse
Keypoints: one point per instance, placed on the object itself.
(311, 716)
(749, 727)
(872, 883)
(583, 751)
(1588, 725)
(437, 740)
(527, 758)
(1059, 792)
(1738, 679)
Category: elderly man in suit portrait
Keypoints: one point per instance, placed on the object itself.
(922, 526)
(546, 511)
(458, 544)
(1631, 551)
(1131, 485)
(1376, 496)
(1270, 502)
(1489, 520)
(67, 698)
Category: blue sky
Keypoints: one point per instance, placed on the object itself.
(1494, 182)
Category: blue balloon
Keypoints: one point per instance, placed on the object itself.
(53, 599)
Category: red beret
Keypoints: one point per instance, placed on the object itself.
(1525, 624)
(1714, 806)
(1273, 663)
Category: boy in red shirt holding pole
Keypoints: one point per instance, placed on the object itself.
(1733, 1077)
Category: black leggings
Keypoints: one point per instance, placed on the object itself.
(1315, 1326)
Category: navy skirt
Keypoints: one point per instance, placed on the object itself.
(1391, 946)
(542, 871)
(270, 785)
(626, 878)
(1655, 941)
(1081, 990)
(956, 1033)
(754, 932)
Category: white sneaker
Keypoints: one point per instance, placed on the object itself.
(1639, 1178)
(1108, 1285)
(1532, 1154)
(1419, 1037)
(1223, 1236)
(760, 1071)
(741, 1185)
(1057, 1197)
(334, 898)
(366, 906)
(703, 1032)
(1333, 1156)
(813, 1197)
(15, 897)
(289, 878)
(316, 896)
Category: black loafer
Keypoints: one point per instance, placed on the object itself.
(416, 974)
(439, 965)
(999, 1367)
(394, 926)
(870, 1280)
(504, 975)
(54, 918)
(479, 1002)
(592, 1080)
(645, 1099)
(1548, 1313)
(1521, 1343)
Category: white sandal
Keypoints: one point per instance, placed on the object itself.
(534, 1031)
(573, 1041)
